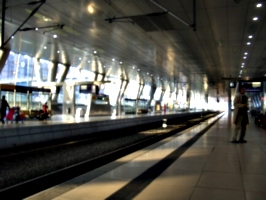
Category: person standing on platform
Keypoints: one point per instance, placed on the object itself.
(44, 115)
(240, 116)
(4, 105)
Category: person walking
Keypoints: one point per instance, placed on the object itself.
(240, 116)
(3, 107)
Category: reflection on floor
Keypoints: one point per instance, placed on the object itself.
(209, 167)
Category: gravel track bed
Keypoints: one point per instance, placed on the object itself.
(23, 168)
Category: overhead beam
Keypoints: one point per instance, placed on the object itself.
(31, 14)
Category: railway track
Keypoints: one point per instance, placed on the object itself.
(30, 170)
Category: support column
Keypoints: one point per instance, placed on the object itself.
(152, 92)
(53, 72)
(4, 53)
(118, 100)
(263, 98)
(229, 96)
(61, 80)
(140, 90)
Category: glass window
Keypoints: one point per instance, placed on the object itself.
(9, 70)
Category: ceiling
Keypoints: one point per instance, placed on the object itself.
(143, 40)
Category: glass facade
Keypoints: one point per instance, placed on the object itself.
(23, 70)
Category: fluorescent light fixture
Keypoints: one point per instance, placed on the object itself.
(258, 5)
(255, 18)
(250, 36)
(248, 43)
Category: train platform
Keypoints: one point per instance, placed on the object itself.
(192, 165)
(30, 131)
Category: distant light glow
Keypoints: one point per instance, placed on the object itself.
(36, 29)
(113, 59)
(250, 36)
(259, 5)
(121, 62)
(248, 43)
(94, 52)
(246, 53)
(255, 18)
(245, 57)
(54, 36)
(45, 47)
(58, 51)
(90, 9)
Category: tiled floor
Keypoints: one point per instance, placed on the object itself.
(211, 168)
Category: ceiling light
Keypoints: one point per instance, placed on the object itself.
(246, 53)
(79, 58)
(133, 67)
(255, 18)
(248, 43)
(258, 5)
(121, 62)
(12, 37)
(244, 57)
(90, 9)
(243, 63)
(113, 59)
(45, 47)
(250, 36)
(46, 19)
(36, 29)
(95, 52)
(58, 51)
(242, 66)
(54, 36)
